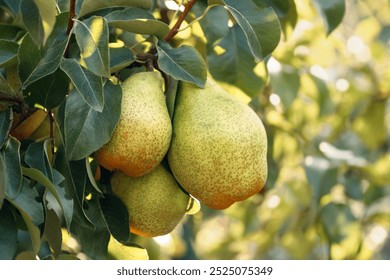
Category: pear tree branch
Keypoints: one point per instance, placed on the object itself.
(175, 29)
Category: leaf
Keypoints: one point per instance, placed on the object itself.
(215, 24)
(87, 84)
(92, 39)
(120, 58)
(39, 177)
(170, 93)
(10, 169)
(9, 32)
(50, 91)
(91, 176)
(138, 21)
(336, 220)
(116, 216)
(53, 51)
(82, 122)
(8, 236)
(182, 63)
(29, 57)
(230, 61)
(13, 6)
(31, 211)
(5, 126)
(321, 175)
(39, 17)
(261, 26)
(94, 242)
(332, 12)
(37, 157)
(286, 84)
(8, 53)
(52, 232)
(89, 6)
(75, 185)
(27, 201)
(285, 10)
(118, 251)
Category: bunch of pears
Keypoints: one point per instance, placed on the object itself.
(213, 149)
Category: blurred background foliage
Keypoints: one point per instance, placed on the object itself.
(325, 104)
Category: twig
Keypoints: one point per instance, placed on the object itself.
(175, 29)
(52, 140)
(72, 15)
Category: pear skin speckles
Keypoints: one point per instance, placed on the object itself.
(155, 202)
(143, 133)
(219, 146)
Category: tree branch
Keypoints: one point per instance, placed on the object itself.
(72, 15)
(175, 29)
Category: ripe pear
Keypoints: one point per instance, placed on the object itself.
(143, 134)
(155, 202)
(27, 127)
(219, 145)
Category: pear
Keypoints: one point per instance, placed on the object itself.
(143, 134)
(219, 145)
(155, 202)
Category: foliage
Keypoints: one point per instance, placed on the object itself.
(317, 73)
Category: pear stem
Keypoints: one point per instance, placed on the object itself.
(175, 29)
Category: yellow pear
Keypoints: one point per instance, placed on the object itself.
(155, 202)
(27, 127)
(219, 146)
(143, 133)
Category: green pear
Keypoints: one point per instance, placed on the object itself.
(155, 202)
(219, 146)
(143, 134)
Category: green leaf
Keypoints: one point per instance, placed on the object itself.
(170, 93)
(261, 26)
(137, 20)
(182, 63)
(39, 17)
(285, 10)
(75, 184)
(29, 57)
(8, 236)
(39, 177)
(116, 216)
(89, 6)
(92, 39)
(9, 31)
(120, 58)
(31, 211)
(82, 122)
(52, 232)
(13, 6)
(215, 24)
(321, 175)
(94, 242)
(37, 157)
(10, 169)
(53, 51)
(286, 84)
(230, 61)
(5, 126)
(87, 84)
(8, 53)
(332, 12)
(65, 207)
(27, 201)
(49, 91)
(336, 220)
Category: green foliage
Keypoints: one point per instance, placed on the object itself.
(316, 72)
